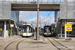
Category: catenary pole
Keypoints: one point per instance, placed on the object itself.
(37, 19)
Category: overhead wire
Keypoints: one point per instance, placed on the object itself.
(49, 13)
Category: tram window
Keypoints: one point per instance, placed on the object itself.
(47, 29)
(30, 30)
(27, 29)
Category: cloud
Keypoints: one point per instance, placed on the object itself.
(48, 20)
(25, 16)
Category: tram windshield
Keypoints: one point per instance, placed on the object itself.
(26, 29)
(47, 29)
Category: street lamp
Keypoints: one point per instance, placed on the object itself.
(40, 23)
(32, 23)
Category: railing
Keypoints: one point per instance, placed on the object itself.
(41, 1)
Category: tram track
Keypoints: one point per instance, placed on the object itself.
(17, 46)
(56, 44)
(10, 43)
(61, 44)
(14, 44)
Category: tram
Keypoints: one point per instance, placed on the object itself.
(27, 30)
(47, 31)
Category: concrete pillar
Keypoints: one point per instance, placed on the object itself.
(34, 34)
(37, 19)
(4, 29)
(61, 28)
(65, 32)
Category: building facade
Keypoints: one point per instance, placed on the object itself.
(5, 28)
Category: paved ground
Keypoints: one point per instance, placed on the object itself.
(5, 41)
(69, 43)
(27, 43)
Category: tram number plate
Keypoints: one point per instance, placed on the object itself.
(25, 33)
(47, 33)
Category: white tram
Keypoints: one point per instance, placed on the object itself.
(47, 31)
(27, 30)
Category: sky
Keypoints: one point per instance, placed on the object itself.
(47, 17)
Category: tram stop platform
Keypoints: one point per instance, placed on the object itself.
(41, 38)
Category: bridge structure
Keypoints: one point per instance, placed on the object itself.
(64, 10)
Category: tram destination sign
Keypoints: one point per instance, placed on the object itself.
(68, 27)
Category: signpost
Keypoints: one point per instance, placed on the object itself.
(11, 25)
(68, 28)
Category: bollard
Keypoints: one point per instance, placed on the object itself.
(39, 37)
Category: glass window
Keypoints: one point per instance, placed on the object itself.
(12, 0)
(69, 0)
(1, 0)
(14, 15)
(7, 0)
(19, 0)
(50, 0)
(1, 28)
(47, 29)
(27, 30)
(63, 0)
(44, 0)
